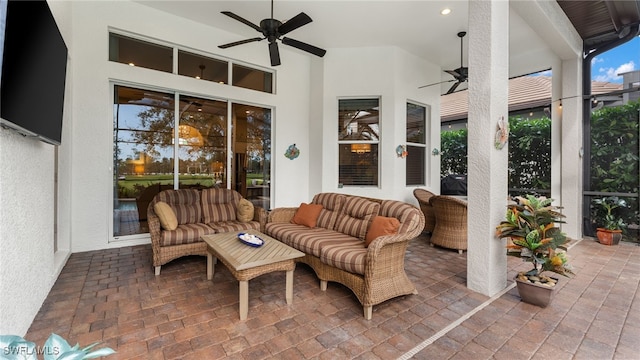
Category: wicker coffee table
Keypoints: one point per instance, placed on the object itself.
(247, 262)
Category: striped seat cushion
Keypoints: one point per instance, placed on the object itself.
(185, 234)
(286, 231)
(346, 254)
(407, 214)
(234, 225)
(185, 204)
(219, 204)
(357, 214)
(312, 242)
(331, 208)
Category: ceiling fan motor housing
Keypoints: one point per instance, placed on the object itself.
(270, 29)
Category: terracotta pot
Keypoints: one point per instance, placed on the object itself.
(609, 237)
(535, 294)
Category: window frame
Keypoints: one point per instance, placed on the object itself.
(377, 143)
(423, 146)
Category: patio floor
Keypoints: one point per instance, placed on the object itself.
(112, 296)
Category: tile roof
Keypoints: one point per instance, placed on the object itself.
(525, 92)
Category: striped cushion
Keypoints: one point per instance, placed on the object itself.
(234, 225)
(348, 255)
(357, 214)
(407, 214)
(331, 208)
(185, 204)
(311, 242)
(185, 234)
(286, 231)
(219, 204)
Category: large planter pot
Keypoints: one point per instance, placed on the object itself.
(609, 237)
(535, 294)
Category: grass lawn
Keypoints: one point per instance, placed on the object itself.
(132, 184)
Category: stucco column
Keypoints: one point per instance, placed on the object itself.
(488, 103)
(571, 147)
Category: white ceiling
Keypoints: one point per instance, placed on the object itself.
(416, 26)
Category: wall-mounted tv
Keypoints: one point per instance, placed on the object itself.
(34, 67)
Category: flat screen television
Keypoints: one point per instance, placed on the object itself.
(34, 67)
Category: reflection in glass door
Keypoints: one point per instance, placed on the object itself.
(252, 153)
(143, 155)
(202, 143)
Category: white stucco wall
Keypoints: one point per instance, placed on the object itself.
(394, 76)
(26, 229)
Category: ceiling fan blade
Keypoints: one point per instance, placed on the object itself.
(304, 46)
(274, 54)
(294, 23)
(454, 87)
(242, 20)
(239, 42)
(453, 73)
(438, 83)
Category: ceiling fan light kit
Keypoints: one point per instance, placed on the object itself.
(460, 74)
(273, 30)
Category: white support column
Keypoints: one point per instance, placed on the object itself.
(571, 147)
(488, 103)
(556, 133)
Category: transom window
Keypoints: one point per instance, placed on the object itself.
(136, 52)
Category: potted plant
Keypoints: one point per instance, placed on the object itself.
(611, 231)
(530, 226)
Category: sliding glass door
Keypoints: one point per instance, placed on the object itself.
(151, 127)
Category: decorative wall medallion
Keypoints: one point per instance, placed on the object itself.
(502, 135)
(401, 151)
(292, 152)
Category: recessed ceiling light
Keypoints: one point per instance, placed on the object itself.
(132, 64)
(445, 11)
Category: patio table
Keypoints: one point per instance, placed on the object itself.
(247, 262)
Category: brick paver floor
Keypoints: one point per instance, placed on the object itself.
(112, 296)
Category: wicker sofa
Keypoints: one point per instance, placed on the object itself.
(335, 248)
(198, 212)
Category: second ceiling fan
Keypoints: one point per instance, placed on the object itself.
(460, 74)
(273, 30)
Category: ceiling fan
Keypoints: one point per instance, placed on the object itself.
(273, 30)
(460, 74)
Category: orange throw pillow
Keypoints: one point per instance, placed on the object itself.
(307, 214)
(381, 226)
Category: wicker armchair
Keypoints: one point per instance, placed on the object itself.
(451, 222)
(423, 196)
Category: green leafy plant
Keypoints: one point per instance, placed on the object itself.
(530, 224)
(13, 347)
(614, 157)
(529, 154)
(610, 221)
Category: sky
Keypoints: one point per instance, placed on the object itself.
(624, 58)
(606, 66)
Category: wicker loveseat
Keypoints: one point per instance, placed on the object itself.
(335, 248)
(198, 212)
